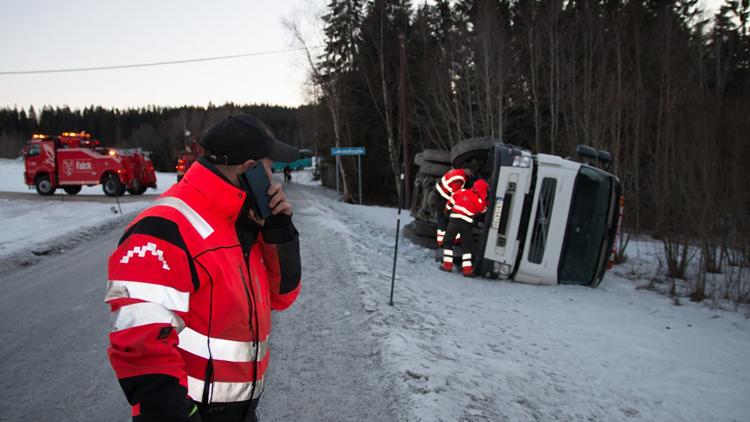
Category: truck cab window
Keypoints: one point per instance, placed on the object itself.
(33, 150)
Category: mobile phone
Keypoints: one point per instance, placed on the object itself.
(255, 182)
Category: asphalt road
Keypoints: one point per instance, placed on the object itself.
(54, 323)
(325, 363)
(101, 198)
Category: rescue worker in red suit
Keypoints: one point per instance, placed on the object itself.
(193, 282)
(464, 207)
(451, 182)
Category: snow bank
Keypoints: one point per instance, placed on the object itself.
(473, 349)
(33, 228)
(11, 180)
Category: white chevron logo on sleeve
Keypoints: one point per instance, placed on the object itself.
(141, 252)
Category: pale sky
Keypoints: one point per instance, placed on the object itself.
(54, 34)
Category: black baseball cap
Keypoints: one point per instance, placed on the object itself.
(243, 137)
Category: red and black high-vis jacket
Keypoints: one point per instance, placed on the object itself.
(451, 182)
(191, 288)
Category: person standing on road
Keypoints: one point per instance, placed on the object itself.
(452, 181)
(193, 282)
(464, 206)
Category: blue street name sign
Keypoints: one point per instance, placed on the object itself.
(348, 151)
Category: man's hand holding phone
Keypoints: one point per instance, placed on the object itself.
(268, 198)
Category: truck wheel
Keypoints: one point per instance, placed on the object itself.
(423, 228)
(44, 185)
(434, 169)
(424, 241)
(135, 189)
(437, 156)
(112, 186)
(464, 151)
(72, 190)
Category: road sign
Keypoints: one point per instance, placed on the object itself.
(348, 151)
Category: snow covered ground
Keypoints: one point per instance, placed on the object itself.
(458, 349)
(475, 350)
(38, 225)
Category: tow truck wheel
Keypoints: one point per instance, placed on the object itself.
(44, 185)
(112, 186)
(71, 190)
(135, 189)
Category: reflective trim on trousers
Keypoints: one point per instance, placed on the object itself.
(145, 313)
(224, 391)
(195, 219)
(221, 349)
(462, 217)
(168, 297)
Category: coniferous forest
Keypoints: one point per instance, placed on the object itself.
(661, 84)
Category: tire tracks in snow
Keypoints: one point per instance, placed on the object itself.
(327, 362)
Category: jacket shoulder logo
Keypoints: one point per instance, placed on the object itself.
(141, 252)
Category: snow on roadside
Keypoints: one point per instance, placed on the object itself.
(472, 349)
(11, 180)
(32, 228)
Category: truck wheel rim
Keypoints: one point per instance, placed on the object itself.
(45, 186)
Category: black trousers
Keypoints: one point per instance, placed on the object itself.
(459, 226)
(442, 218)
(229, 412)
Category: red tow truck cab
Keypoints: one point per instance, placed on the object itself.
(187, 157)
(74, 159)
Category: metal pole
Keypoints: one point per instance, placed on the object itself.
(359, 173)
(337, 174)
(398, 228)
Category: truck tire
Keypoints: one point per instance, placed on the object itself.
(112, 186)
(418, 159)
(424, 241)
(72, 190)
(434, 169)
(437, 156)
(44, 186)
(135, 189)
(465, 150)
(423, 228)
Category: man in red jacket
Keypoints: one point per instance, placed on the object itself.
(451, 182)
(464, 206)
(193, 282)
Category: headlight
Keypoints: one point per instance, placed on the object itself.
(521, 161)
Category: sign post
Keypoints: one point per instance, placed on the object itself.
(398, 227)
(345, 151)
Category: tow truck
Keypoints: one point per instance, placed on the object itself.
(75, 159)
(550, 220)
(187, 157)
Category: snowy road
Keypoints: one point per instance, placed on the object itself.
(325, 363)
(451, 349)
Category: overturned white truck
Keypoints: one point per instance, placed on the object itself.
(550, 220)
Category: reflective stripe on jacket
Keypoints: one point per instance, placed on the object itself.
(451, 181)
(191, 290)
(466, 204)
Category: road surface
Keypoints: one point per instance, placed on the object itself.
(325, 364)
